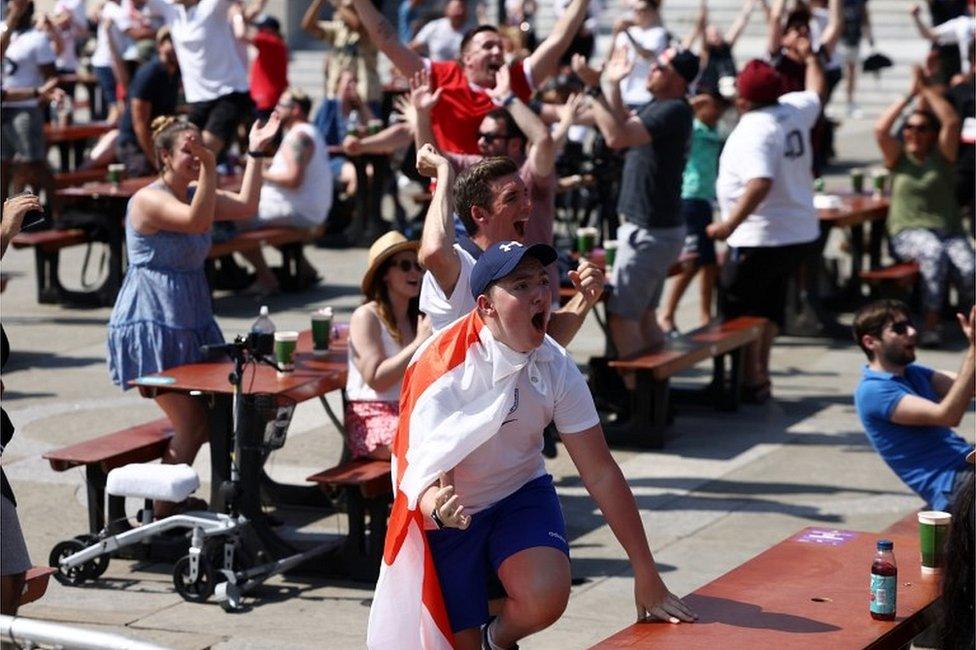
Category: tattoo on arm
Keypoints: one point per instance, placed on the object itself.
(301, 149)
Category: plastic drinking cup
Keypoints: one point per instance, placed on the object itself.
(933, 529)
(284, 350)
(321, 330)
(610, 252)
(857, 181)
(586, 240)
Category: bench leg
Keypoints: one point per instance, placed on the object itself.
(379, 510)
(95, 487)
(48, 286)
(735, 379)
(648, 414)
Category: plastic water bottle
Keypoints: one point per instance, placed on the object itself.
(263, 331)
(884, 582)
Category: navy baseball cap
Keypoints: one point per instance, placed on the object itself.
(500, 259)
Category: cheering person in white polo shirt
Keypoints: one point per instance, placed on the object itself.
(765, 192)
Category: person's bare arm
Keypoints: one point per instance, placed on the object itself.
(253, 10)
(310, 21)
(950, 123)
(620, 131)
(390, 139)
(835, 25)
(924, 30)
(567, 115)
(774, 26)
(739, 24)
(119, 69)
(384, 36)
(891, 146)
(606, 484)
(15, 10)
(913, 410)
(437, 252)
(755, 192)
(301, 148)
(544, 61)
(541, 151)
(379, 371)
(244, 204)
(564, 323)
(157, 210)
(14, 210)
(141, 117)
(814, 79)
(701, 19)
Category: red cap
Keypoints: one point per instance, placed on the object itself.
(759, 83)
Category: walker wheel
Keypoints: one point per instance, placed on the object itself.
(100, 564)
(75, 575)
(199, 590)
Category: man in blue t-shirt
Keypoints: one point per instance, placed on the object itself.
(908, 409)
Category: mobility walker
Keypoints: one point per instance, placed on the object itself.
(223, 548)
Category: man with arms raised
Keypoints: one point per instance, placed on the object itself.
(476, 398)
(908, 409)
(465, 100)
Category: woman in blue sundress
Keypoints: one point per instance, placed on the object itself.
(163, 313)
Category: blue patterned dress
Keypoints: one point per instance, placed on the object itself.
(163, 313)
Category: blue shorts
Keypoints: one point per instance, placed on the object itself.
(465, 559)
(697, 214)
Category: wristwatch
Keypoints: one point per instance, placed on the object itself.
(437, 518)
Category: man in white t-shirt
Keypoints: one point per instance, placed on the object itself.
(28, 63)
(496, 509)
(493, 204)
(644, 38)
(765, 193)
(958, 31)
(214, 77)
(297, 189)
(440, 39)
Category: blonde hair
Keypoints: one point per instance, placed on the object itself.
(164, 129)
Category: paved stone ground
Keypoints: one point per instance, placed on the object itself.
(724, 488)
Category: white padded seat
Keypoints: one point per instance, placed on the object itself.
(153, 481)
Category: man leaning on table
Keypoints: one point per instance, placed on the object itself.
(908, 409)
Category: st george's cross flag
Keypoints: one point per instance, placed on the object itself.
(455, 395)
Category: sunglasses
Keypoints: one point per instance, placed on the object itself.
(408, 265)
(901, 327)
(491, 137)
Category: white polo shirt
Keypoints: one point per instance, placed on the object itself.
(774, 143)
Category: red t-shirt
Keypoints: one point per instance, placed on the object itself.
(269, 72)
(458, 114)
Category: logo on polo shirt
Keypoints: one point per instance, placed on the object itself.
(513, 409)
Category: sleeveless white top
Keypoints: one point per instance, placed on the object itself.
(357, 389)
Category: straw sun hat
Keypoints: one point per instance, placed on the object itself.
(383, 249)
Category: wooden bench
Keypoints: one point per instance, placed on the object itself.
(35, 583)
(138, 444)
(901, 276)
(79, 177)
(289, 241)
(369, 492)
(649, 402)
(47, 245)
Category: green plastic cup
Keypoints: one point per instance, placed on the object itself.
(284, 350)
(857, 181)
(586, 240)
(321, 330)
(610, 252)
(933, 530)
(880, 180)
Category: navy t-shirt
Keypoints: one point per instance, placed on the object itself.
(152, 83)
(650, 187)
(925, 458)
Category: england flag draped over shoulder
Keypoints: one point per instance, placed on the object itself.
(455, 396)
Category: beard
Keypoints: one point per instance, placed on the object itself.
(897, 355)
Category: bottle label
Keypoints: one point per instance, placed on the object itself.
(883, 594)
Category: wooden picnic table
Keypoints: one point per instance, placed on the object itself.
(103, 190)
(71, 140)
(808, 591)
(313, 377)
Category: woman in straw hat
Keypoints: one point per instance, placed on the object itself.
(384, 332)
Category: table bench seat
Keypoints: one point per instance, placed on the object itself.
(905, 273)
(650, 401)
(35, 583)
(289, 241)
(47, 245)
(139, 444)
(369, 492)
